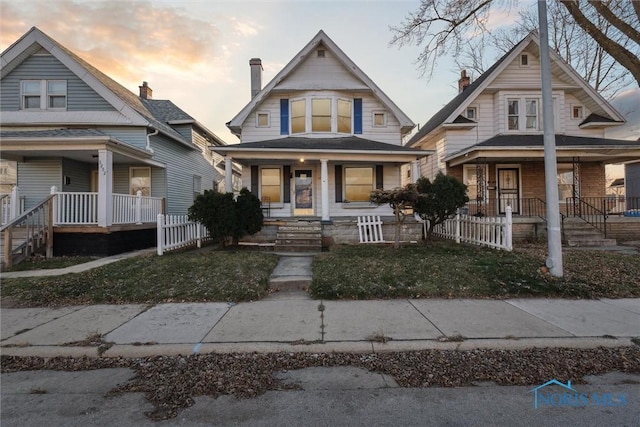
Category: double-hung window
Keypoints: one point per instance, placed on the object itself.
(321, 115)
(43, 94)
(358, 183)
(298, 116)
(523, 114)
(271, 185)
(344, 116)
(140, 180)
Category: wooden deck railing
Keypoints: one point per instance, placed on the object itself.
(28, 233)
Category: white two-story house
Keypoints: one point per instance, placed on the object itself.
(319, 137)
(490, 136)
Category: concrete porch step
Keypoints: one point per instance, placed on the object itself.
(591, 242)
(298, 248)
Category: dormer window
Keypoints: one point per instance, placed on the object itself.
(43, 94)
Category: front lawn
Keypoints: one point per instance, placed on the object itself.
(175, 277)
(42, 263)
(447, 270)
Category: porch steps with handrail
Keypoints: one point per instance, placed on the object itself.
(578, 232)
(299, 236)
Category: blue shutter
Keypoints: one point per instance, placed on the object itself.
(284, 117)
(357, 115)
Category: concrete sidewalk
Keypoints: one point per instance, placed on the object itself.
(298, 323)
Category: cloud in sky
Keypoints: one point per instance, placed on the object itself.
(127, 39)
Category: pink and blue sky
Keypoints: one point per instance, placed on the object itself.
(196, 53)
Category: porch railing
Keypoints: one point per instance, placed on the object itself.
(581, 208)
(9, 208)
(615, 205)
(532, 206)
(81, 208)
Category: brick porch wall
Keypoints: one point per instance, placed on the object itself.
(592, 174)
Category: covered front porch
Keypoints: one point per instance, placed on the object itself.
(325, 178)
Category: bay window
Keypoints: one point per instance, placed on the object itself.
(298, 116)
(320, 115)
(344, 116)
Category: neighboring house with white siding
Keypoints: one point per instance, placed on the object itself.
(68, 125)
(319, 137)
(490, 136)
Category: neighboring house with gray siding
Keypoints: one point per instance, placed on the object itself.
(67, 125)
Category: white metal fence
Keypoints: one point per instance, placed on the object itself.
(494, 232)
(177, 231)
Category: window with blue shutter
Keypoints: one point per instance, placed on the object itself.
(357, 115)
(284, 117)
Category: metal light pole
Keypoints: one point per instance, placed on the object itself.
(554, 237)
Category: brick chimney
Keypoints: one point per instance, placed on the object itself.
(145, 91)
(464, 81)
(256, 76)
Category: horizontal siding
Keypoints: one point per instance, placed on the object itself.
(321, 73)
(80, 97)
(515, 76)
(36, 177)
(135, 136)
(389, 134)
(181, 165)
(79, 175)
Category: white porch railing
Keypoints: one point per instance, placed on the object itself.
(494, 232)
(81, 208)
(177, 231)
(11, 205)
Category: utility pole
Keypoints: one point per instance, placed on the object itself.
(554, 237)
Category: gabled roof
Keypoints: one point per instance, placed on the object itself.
(122, 99)
(451, 111)
(235, 125)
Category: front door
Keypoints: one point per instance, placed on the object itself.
(508, 189)
(303, 192)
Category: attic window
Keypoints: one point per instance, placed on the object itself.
(320, 53)
(471, 113)
(524, 60)
(576, 112)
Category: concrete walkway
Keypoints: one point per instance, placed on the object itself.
(308, 325)
(290, 320)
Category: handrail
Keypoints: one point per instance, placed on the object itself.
(587, 212)
(26, 213)
(38, 225)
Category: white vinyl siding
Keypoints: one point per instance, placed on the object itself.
(80, 97)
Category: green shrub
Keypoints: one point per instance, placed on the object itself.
(217, 212)
(250, 217)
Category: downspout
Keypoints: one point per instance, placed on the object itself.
(149, 135)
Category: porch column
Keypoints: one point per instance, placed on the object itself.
(324, 188)
(415, 171)
(228, 175)
(105, 188)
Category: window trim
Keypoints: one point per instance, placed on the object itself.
(525, 63)
(522, 116)
(304, 116)
(344, 182)
(578, 107)
(350, 102)
(331, 116)
(44, 95)
(279, 203)
(384, 119)
(131, 169)
(260, 113)
(475, 112)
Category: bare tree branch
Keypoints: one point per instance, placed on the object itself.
(625, 57)
(607, 14)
